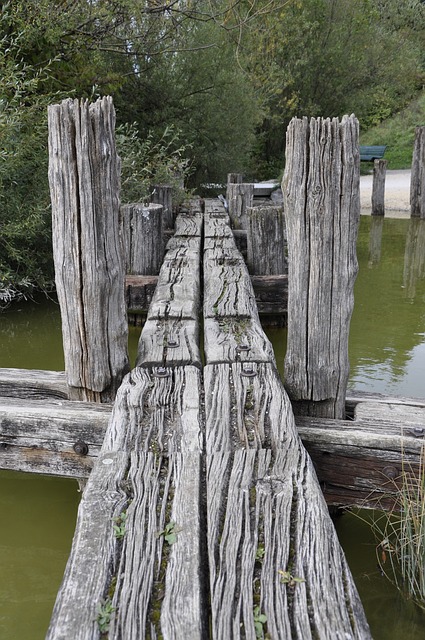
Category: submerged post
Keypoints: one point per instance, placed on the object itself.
(417, 179)
(321, 189)
(378, 188)
(84, 178)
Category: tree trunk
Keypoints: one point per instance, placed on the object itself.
(322, 209)
(378, 189)
(87, 246)
(266, 241)
(143, 238)
(417, 184)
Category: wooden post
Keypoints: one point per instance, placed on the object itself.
(322, 210)
(143, 238)
(417, 180)
(87, 246)
(234, 178)
(163, 194)
(378, 188)
(266, 241)
(239, 197)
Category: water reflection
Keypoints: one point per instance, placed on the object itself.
(386, 332)
(414, 257)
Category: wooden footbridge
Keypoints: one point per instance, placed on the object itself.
(202, 516)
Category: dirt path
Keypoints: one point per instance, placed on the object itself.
(397, 193)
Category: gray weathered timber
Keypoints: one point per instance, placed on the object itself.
(139, 291)
(266, 243)
(417, 177)
(163, 194)
(239, 197)
(92, 562)
(87, 246)
(143, 238)
(271, 294)
(169, 342)
(263, 495)
(234, 339)
(54, 437)
(33, 383)
(378, 187)
(322, 209)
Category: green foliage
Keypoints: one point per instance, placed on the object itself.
(119, 525)
(104, 615)
(398, 132)
(260, 620)
(170, 533)
(147, 162)
(400, 535)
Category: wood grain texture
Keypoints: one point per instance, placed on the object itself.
(87, 246)
(234, 339)
(169, 343)
(33, 383)
(378, 187)
(266, 245)
(143, 238)
(239, 197)
(139, 291)
(322, 209)
(92, 561)
(163, 194)
(417, 176)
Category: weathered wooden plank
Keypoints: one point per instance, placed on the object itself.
(322, 210)
(92, 563)
(240, 401)
(139, 291)
(169, 343)
(227, 290)
(177, 294)
(160, 582)
(239, 197)
(56, 438)
(87, 246)
(192, 245)
(234, 339)
(271, 294)
(189, 223)
(33, 383)
(259, 557)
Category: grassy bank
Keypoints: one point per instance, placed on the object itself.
(398, 133)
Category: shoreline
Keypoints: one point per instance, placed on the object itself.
(397, 193)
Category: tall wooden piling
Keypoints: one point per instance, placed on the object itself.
(239, 197)
(84, 177)
(417, 180)
(163, 194)
(322, 209)
(143, 238)
(378, 188)
(266, 241)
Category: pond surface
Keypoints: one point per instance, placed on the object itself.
(387, 355)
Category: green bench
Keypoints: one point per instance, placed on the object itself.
(371, 153)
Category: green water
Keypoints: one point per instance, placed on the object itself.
(387, 354)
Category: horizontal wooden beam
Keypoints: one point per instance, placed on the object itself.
(271, 293)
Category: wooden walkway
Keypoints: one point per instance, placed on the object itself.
(202, 516)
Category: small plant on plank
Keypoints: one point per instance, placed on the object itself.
(259, 554)
(119, 525)
(104, 615)
(170, 533)
(260, 619)
(289, 579)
